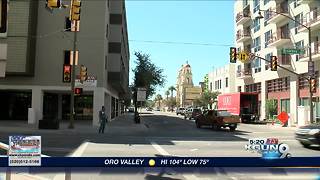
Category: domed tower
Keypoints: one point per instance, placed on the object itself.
(184, 80)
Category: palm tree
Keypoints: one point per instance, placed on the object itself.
(158, 98)
(172, 88)
(167, 94)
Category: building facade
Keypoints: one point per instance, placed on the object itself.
(186, 91)
(222, 79)
(39, 42)
(270, 36)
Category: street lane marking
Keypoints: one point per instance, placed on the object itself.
(159, 149)
(194, 150)
(80, 150)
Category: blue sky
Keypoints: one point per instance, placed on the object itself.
(181, 21)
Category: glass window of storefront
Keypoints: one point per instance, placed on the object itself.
(285, 105)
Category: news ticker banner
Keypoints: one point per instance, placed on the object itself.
(170, 162)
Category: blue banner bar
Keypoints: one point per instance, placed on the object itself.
(173, 162)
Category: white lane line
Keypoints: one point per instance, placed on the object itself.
(80, 150)
(159, 149)
(194, 150)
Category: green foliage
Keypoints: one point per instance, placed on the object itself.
(167, 93)
(171, 89)
(271, 107)
(206, 98)
(206, 82)
(158, 99)
(171, 102)
(147, 74)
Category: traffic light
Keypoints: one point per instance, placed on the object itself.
(274, 63)
(53, 4)
(77, 91)
(66, 73)
(83, 73)
(313, 84)
(233, 55)
(75, 10)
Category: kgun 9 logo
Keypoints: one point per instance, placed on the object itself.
(269, 148)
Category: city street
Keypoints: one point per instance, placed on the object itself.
(159, 134)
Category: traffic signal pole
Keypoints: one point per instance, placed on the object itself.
(311, 76)
(73, 70)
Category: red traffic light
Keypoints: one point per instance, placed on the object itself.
(77, 91)
(66, 73)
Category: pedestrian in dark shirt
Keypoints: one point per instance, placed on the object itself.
(102, 119)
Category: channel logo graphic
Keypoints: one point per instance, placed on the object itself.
(269, 148)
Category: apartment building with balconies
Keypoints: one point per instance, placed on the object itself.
(39, 42)
(274, 35)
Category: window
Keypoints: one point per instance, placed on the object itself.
(280, 84)
(299, 45)
(267, 15)
(70, 26)
(3, 16)
(296, 3)
(256, 25)
(239, 88)
(107, 31)
(257, 65)
(257, 44)
(285, 105)
(226, 82)
(304, 101)
(68, 56)
(265, 1)
(220, 83)
(296, 25)
(210, 86)
(256, 5)
(267, 64)
(267, 37)
(106, 62)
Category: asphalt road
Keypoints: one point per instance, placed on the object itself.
(165, 134)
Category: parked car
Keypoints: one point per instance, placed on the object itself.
(218, 119)
(180, 110)
(309, 135)
(192, 113)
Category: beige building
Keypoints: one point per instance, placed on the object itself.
(270, 36)
(186, 91)
(222, 79)
(37, 43)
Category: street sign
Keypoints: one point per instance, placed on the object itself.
(311, 68)
(141, 94)
(91, 81)
(283, 117)
(292, 51)
(243, 56)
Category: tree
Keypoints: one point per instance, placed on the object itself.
(206, 82)
(147, 74)
(167, 94)
(158, 99)
(171, 88)
(271, 107)
(206, 98)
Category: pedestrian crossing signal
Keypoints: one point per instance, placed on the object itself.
(274, 63)
(77, 91)
(313, 84)
(83, 73)
(66, 73)
(233, 55)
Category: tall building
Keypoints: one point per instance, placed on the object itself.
(272, 36)
(222, 79)
(186, 91)
(39, 42)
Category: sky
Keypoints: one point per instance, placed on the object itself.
(194, 21)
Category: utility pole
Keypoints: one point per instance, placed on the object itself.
(311, 75)
(74, 18)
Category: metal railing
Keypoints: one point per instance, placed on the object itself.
(245, 72)
(241, 15)
(242, 34)
(310, 18)
(315, 49)
(281, 34)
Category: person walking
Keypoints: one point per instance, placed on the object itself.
(102, 119)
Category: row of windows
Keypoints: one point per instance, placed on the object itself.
(253, 87)
(218, 84)
(278, 85)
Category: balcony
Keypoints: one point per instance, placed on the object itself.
(243, 35)
(315, 52)
(312, 20)
(284, 61)
(244, 73)
(280, 38)
(276, 18)
(243, 17)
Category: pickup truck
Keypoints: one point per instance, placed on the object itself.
(218, 119)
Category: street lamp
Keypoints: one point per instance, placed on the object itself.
(311, 74)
